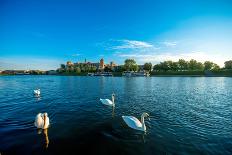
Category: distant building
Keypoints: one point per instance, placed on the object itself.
(99, 65)
(69, 63)
(102, 66)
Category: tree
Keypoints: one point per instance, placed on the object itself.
(93, 69)
(183, 65)
(164, 66)
(228, 64)
(147, 66)
(107, 69)
(62, 66)
(157, 67)
(193, 64)
(78, 70)
(215, 67)
(135, 67)
(119, 68)
(208, 65)
(199, 66)
(130, 65)
(174, 66)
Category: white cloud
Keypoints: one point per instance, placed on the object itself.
(75, 55)
(132, 44)
(169, 43)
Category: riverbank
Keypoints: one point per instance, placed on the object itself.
(220, 73)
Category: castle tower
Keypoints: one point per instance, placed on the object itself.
(101, 64)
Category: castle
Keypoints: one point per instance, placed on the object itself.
(99, 65)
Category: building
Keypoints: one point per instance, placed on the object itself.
(102, 66)
(69, 63)
(99, 65)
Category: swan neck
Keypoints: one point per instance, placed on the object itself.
(143, 123)
(113, 99)
(44, 121)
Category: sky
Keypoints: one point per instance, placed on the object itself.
(42, 34)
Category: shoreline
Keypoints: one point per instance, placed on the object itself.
(121, 75)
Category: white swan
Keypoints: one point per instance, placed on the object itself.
(134, 123)
(37, 92)
(42, 121)
(108, 102)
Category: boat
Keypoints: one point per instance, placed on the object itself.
(134, 74)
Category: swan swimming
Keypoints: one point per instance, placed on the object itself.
(37, 92)
(42, 121)
(108, 101)
(134, 123)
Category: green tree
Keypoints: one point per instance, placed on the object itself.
(78, 70)
(183, 65)
(119, 68)
(147, 66)
(174, 66)
(107, 69)
(215, 67)
(164, 66)
(199, 66)
(135, 67)
(208, 65)
(228, 64)
(93, 69)
(193, 64)
(130, 65)
(157, 67)
(62, 66)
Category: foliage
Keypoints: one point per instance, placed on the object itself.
(228, 64)
(208, 65)
(183, 65)
(130, 65)
(147, 66)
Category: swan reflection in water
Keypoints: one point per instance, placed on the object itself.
(45, 134)
(42, 123)
(113, 112)
(38, 97)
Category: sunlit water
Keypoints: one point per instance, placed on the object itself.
(189, 115)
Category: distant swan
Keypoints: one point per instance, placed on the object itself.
(37, 92)
(108, 102)
(42, 121)
(134, 123)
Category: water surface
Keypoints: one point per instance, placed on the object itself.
(189, 115)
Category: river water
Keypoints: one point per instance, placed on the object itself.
(188, 115)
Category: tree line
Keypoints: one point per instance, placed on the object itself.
(180, 65)
(192, 65)
(78, 68)
(131, 65)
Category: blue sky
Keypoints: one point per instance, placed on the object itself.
(42, 34)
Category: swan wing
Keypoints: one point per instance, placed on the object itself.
(37, 92)
(39, 121)
(132, 122)
(106, 102)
